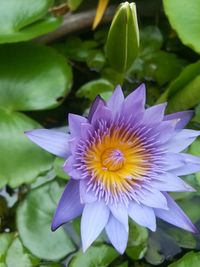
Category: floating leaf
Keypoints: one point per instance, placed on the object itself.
(101, 255)
(5, 241)
(190, 259)
(91, 89)
(34, 216)
(184, 17)
(20, 160)
(14, 254)
(22, 20)
(18, 256)
(32, 77)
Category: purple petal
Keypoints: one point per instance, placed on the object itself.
(142, 215)
(116, 100)
(70, 169)
(75, 122)
(135, 102)
(86, 129)
(72, 144)
(165, 130)
(154, 114)
(101, 112)
(95, 217)
(186, 164)
(120, 212)
(117, 234)
(152, 198)
(86, 197)
(181, 140)
(170, 182)
(172, 161)
(52, 141)
(98, 102)
(180, 118)
(175, 215)
(69, 206)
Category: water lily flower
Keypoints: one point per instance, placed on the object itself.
(123, 160)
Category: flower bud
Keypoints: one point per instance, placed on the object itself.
(122, 44)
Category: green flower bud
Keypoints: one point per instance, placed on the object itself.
(122, 44)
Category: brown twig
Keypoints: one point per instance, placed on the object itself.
(76, 22)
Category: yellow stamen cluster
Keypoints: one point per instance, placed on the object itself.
(117, 160)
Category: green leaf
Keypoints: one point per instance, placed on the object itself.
(91, 89)
(13, 253)
(5, 241)
(195, 147)
(58, 168)
(96, 60)
(122, 49)
(101, 255)
(22, 20)
(196, 118)
(166, 66)
(191, 208)
(184, 17)
(190, 259)
(187, 98)
(74, 4)
(183, 92)
(151, 40)
(76, 49)
(21, 161)
(137, 244)
(34, 216)
(32, 77)
(18, 256)
(160, 66)
(182, 238)
(51, 265)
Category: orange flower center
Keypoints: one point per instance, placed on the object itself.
(117, 160)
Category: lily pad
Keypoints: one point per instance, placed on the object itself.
(13, 252)
(184, 18)
(18, 256)
(20, 160)
(34, 216)
(22, 20)
(101, 255)
(32, 77)
(5, 240)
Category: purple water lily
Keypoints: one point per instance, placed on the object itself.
(122, 160)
